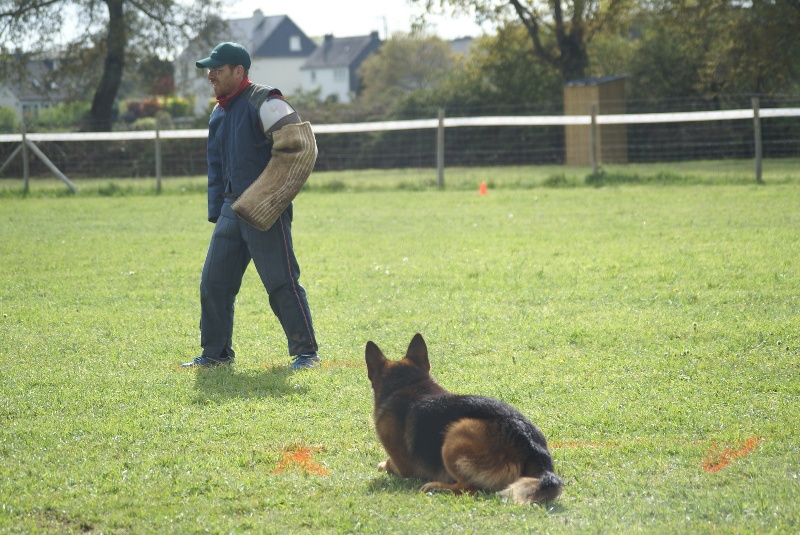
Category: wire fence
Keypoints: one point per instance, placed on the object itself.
(453, 141)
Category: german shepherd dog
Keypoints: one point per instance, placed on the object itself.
(458, 443)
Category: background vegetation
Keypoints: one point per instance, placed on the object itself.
(675, 54)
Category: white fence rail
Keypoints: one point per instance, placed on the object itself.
(27, 141)
(423, 124)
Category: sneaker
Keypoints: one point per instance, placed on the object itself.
(307, 360)
(208, 362)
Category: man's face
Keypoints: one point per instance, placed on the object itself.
(224, 80)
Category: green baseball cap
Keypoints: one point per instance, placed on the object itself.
(226, 53)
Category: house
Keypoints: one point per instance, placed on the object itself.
(333, 65)
(277, 46)
(32, 89)
(462, 46)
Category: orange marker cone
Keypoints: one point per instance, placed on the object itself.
(482, 188)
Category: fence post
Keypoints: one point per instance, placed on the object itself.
(158, 159)
(440, 149)
(757, 135)
(593, 141)
(25, 167)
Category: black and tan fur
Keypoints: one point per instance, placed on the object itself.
(458, 443)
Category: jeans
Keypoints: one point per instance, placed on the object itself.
(234, 244)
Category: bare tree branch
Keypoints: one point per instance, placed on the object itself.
(26, 7)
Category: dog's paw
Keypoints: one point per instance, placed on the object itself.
(429, 487)
(455, 488)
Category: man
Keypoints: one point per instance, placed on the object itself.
(240, 138)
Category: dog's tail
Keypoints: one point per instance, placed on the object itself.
(527, 490)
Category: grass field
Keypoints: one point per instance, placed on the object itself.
(651, 331)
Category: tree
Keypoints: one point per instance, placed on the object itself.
(153, 27)
(558, 30)
(758, 48)
(499, 74)
(716, 49)
(405, 63)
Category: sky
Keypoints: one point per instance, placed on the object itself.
(347, 18)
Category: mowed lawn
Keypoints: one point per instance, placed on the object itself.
(652, 332)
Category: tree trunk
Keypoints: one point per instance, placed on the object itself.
(574, 61)
(570, 56)
(101, 115)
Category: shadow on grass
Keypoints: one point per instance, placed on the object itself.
(396, 485)
(221, 384)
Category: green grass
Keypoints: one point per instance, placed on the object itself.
(646, 329)
(708, 172)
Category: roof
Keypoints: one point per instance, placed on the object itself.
(461, 45)
(36, 82)
(596, 80)
(342, 51)
(268, 36)
(243, 31)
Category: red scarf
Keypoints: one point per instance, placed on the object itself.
(226, 101)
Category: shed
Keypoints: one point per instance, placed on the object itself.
(607, 93)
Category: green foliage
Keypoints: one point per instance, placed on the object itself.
(558, 32)
(650, 332)
(147, 114)
(115, 29)
(711, 49)
(759, 51)
(499, 75)
(64, 116)
(674, 52)
(610, 54)
(784, 171)
(8, 120)
(504, 68)
(151, 123)
(405, 63)
(178, 106)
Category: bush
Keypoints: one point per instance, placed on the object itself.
(64, 116)
(139, 109)
(8, 120)
(178, 106)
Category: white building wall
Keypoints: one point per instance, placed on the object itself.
(283, 73)
(333, 81)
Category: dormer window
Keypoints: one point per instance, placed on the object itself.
(295, 44)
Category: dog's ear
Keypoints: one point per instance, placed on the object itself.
(418, 353)
(375, 361)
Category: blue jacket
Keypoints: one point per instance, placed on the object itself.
(238, 148)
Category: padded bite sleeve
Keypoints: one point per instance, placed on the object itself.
(294, 153)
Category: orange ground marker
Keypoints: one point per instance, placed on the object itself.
(300, 457)
(720, 459)
(713, 463)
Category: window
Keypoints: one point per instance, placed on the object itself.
(340, 75)
(295, 44)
